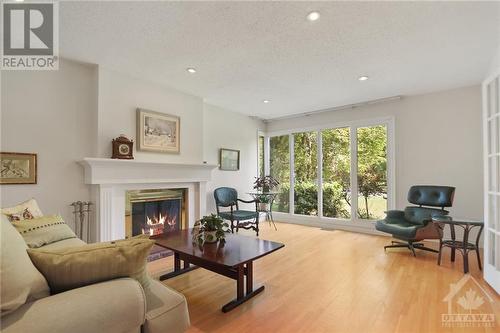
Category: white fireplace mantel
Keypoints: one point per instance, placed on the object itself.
(114, 171)
(111, 178)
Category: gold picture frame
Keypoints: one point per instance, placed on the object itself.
(18, 168)
(158, 132)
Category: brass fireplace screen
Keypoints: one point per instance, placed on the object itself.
(155, 211)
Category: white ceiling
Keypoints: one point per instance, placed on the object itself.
(246, 52)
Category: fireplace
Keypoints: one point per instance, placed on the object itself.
(156, 216)
(155, 212)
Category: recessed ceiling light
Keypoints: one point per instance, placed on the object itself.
(191, 70)
(19, 0)
(363, 78)
(313, 16)
(265, 101)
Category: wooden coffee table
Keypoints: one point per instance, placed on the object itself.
(234, 259)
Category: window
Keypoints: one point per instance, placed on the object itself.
(261, 156)
(306, 173)
(280, 169)
(336, 172)
(372, 172)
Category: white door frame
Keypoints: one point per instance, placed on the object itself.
(491, 265)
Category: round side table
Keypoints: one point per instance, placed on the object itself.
(464, 246)
(270, 196)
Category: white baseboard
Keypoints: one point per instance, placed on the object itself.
(362, 226)
(367, 227)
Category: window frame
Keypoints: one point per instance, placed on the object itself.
(318, 174)
(265, 153)
(321, 220)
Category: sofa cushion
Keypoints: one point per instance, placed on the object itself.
(21, 216)
(20, 280)
(75, 267)
(43, 230)
(64, 244)
(165, 308)
(116, 306)
(25, 210)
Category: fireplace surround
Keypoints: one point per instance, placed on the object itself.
(111, 179)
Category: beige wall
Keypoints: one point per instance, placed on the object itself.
(204, 128)
(495, 62)
(50, 113)
(225, 129)
(438, 139)
(75, 112)
(60, 116)
(119, 97)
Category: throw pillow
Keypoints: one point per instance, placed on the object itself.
(76, 267)
(23, 211)
(20, 281)
(24, 215)
(43, 230)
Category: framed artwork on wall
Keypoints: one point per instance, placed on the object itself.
(229, 159)
(158, 132)
(18, 168)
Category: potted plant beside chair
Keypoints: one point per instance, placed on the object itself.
(264, 184)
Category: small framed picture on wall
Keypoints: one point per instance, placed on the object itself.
(18, 168)
(229, 159)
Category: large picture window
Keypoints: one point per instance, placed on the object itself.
(279, 167)
(305, 190)
(372, 172)
(338, 172)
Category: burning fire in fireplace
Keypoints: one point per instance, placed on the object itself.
(156, 225)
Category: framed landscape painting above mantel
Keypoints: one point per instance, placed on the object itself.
(18, 168)
(158, 132)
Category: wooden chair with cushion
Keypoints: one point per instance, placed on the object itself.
(246, 219)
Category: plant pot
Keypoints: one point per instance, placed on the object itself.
(263, 206)
(210, 236)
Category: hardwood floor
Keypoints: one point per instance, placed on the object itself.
(331, 281)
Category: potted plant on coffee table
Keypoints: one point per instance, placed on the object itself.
(209, 229)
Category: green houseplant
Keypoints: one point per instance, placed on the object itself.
(264, 184)
(209, 229)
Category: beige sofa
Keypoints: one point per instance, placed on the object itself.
(119, 305)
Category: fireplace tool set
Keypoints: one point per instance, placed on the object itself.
(81, 212)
